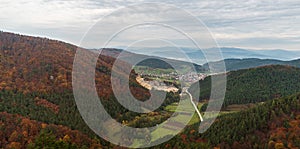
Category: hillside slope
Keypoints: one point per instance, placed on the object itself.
(32, 64)
(35, 82)
(256, 84)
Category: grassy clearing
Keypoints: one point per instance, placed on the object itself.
(173, 107)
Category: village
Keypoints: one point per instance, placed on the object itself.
(169, 82)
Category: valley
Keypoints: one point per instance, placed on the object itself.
(100, 74)
(261, 107)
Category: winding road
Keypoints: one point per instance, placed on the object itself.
(185, 90)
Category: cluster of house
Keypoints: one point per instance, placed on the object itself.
(190, 77)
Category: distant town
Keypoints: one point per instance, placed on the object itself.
(169, 81)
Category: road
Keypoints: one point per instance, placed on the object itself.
(195, 106)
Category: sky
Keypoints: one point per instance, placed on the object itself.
(251, 24)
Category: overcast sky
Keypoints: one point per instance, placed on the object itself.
(253, 24)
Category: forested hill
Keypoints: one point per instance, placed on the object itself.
(274, 124)
(35, 84)
(32, 64)
(256, 84)
(237, 64)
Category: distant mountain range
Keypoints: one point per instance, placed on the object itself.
(197, 56)
(237, 64)
(152, 61)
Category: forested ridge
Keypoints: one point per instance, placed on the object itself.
(32, 64)
(256, 84)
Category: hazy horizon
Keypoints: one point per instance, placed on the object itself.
(241, 24)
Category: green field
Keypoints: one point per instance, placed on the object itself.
(185, 106)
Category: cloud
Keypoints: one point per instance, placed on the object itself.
(256, 24)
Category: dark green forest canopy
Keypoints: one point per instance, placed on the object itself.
(255, 84)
